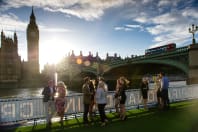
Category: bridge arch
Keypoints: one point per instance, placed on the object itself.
(90, 70)
(169, 62)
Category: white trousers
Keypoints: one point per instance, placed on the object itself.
(49, 110)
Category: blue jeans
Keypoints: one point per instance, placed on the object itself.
(101, 109)
(165, 98)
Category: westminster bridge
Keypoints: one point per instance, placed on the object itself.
(182, 62)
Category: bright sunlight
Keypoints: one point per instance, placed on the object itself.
(53, 50)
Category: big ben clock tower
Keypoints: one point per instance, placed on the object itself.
(33, 46)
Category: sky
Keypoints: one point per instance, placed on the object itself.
(125, 27)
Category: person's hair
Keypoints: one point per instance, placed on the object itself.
(101, 84)
(125, 80)
(50, 82)
(86, 79)
(61, 84)
(101, 79)
(144, 79)
(162, 73)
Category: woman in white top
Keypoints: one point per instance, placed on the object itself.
(101, 100)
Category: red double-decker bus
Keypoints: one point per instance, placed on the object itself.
(161, 49)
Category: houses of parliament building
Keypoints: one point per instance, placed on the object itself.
(15, 73)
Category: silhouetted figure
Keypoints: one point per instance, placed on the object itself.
(101, 100)
(122, 96)
(164, 91)
(86, 99)
(158, 91)
(144, 90)
(116, 97)
(93, 92)
(60, 101)
(48, 99)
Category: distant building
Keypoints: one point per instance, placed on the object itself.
(112, 58)
(13, 71)
(10, 61)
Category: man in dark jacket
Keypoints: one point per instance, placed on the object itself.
(48, 100)
(86, 99)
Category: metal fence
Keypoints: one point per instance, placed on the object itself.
(13, 110)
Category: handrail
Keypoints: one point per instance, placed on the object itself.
(24, 109)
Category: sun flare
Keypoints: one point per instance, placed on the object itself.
(53, 50)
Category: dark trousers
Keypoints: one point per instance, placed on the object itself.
(85, 114)
(165, 98)
(102, 112)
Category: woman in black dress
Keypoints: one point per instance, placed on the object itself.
(144, 90)
(122, 96)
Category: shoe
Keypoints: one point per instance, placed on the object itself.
(124, 118)
(106, 120)
(86, 124)
(48, 125)
(92, 119)
(61, 123)
(103, 124)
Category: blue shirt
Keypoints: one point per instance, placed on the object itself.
(164, 83)
(101, 96)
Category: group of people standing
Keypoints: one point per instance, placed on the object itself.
(95, 94)
(161, 87)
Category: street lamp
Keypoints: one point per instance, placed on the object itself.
(193, 30)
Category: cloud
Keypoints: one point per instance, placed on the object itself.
(135, 26)
(169, 22)
(166, 21)
(85, 9)
(168, 3)
(190, 13)
(128, 27)
(170, 27)
(122, 28)
(118, 28)
(162, 19)
(11, 22)
(59, 30)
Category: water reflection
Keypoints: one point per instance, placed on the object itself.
(21, 92)
(36, 92)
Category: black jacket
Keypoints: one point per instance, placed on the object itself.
(46, 93)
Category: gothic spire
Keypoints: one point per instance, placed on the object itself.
(15, 37)
(32, 17)
(16, 41)
(2, 34)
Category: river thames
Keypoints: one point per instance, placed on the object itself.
(36, 92)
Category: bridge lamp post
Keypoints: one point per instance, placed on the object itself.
(193, 30)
